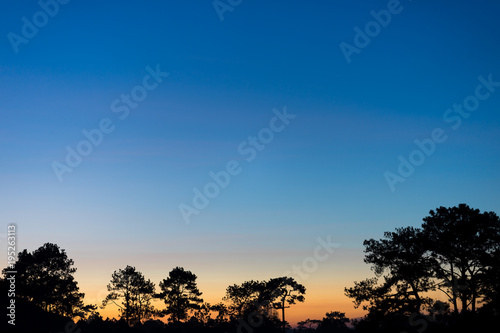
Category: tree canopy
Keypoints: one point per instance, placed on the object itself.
(180, 294)
(263, 298)
(135, 293)
(45, 278)
(455, 251)
(462, 243)
(401, 259)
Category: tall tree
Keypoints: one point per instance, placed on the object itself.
(180, 293)
(462, 241)
(402, 255)
(135, 292)
(284, 290)
(45, 277)
(401, 258)
(456, 251)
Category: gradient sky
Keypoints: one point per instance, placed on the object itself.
(322, 175)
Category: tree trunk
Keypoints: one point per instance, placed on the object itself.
(473, 305)
(283, 315)
(464, 303)
(127, 308)
(415, 293)
(474, 291)
(463, 290)
(454, 289)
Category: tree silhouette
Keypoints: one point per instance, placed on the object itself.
(262, 298)
(308, 325)
(334, 321)
(135, 292)
(382, 299)
(462, 241)
(286, 291)
(222, 312)
(45, 278)
(456, 251)
(180, 293)
(246, 298)
(201, 315)
(401, 256)
(491, 284)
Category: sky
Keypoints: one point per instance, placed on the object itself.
(321, 121)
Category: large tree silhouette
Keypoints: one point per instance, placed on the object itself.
(402, 256)
(456, 251)
(401, 259)
(135, 292)
(180, 293)
(463, 241)
(45, 278)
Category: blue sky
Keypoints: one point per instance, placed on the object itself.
(323, 174)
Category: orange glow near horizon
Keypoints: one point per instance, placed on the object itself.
(318, 302)
(324, 286)
(310, 309)
(322, 296)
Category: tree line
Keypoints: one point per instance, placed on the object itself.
(455, 254)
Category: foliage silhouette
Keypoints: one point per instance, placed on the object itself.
(246, 298)
(463, 242)
(456, 251)
(135, 292)
(180, 293)
(45, 278)
(308, 325)
(284, 290)
(402, 256)
(334, 321)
